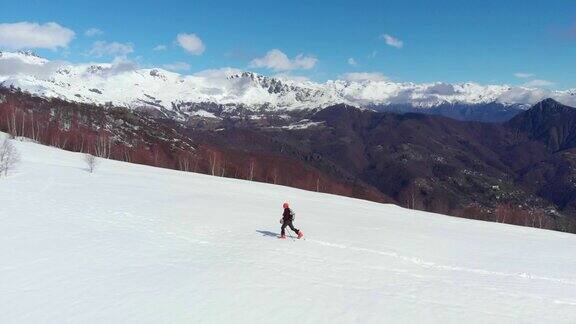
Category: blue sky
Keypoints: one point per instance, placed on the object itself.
(512, 42)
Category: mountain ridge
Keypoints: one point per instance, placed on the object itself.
(122, 83)
(550, 122)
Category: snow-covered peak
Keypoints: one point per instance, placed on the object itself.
(124, 84)
(28, 57)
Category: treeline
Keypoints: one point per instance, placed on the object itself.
(518, 214)
(120, 134)
(70, 130)
(418, 195)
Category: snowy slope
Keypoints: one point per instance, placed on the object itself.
(136, 244)
(123, 84)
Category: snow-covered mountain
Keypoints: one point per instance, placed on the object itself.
(122, 83)
(137, 244)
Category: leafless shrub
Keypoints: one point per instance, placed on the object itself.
(9, 156)
(91, 162)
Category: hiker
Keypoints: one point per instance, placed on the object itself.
(286, 220)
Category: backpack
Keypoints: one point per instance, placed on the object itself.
(292, 216)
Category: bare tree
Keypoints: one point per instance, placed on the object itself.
(213, 162)
(251, 170)
(275, 175)
(91, 162)
(184, 161)
(103, 146)
(223, 165)
(9, 156)
(11, 122)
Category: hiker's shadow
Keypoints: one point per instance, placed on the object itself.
(268, 233)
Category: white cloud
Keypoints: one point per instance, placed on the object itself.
(221, 73)
(533, 83)
(523, 75)
(15, 66)
(278, 61)
(191, 43)
(118, 66)
(220, 82)
(93, 32)
(46, 69)
(33, 35)
(291, 77)
(159, 47)
(121, 65)
(392, 41)
(524, 96)
(538, 83)
(440, 88)
(352, 62)
(364, 76)
(102, 48)
(177, 66)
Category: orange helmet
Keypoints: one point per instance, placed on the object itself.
(285, 205)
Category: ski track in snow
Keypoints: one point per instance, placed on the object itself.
(432, 265)
(136, 244)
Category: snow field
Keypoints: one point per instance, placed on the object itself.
(137, 244)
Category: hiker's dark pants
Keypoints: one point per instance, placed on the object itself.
(289, 224)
